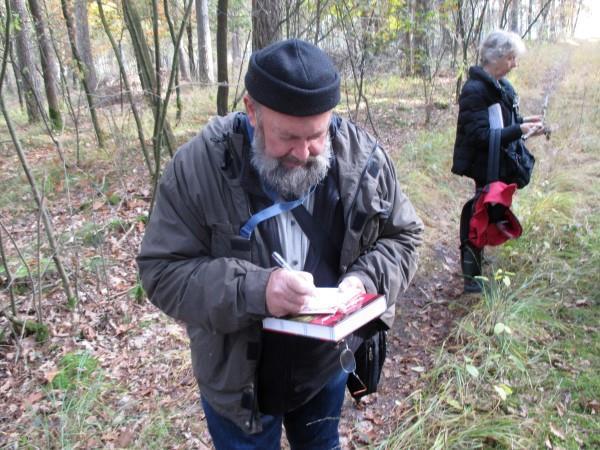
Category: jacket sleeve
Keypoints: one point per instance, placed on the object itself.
(176, 266)
(388, 260)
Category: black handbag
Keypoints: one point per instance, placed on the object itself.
(369, 356)
(517, 164)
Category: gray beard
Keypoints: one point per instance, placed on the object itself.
(289, 183)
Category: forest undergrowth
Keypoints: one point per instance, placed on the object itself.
(518, 369)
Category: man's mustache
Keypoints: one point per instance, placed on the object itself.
(308, 162)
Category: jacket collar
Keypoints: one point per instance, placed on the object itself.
(478, 73)
(502, 86)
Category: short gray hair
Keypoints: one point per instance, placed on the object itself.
(498, 44)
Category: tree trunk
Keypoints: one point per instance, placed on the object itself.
(161, 105)
(552, 34)
(48, 65)
(576, 17)
(27, 70)
(177, 52)
(190, 48)
(529, 18)
(128, 92)
(318, 23)
(67, 10)
(514, 16)
(205, 60)
(223, 90)
(408, 39)
(144, 62)
(266, 22)
(84, 45)
(468, 30)
(18, 80)
(236, 48)
(8, 274)
(421, 44)
(183, 65)
(15, 69)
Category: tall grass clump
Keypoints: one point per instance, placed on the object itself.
(510, 375)
(472, 398)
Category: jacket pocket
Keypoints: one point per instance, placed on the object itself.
(370, 211)
(225, 362)
(227, 243)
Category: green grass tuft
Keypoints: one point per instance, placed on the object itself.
(75, 370)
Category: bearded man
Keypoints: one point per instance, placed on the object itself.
(259, 182)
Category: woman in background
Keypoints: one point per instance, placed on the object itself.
(485, 87)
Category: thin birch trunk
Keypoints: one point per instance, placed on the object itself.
(147, 74)
(222, 76)
(176, 51)
(48, 64)
(9, 278)
(136, 115)
(67, 10)
(27, 70)
(205, 67)
(162, 112)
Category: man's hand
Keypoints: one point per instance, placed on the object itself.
(287, 291)
(352, 283)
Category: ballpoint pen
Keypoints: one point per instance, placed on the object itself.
(281, 262)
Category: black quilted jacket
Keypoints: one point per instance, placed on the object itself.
(473, 126)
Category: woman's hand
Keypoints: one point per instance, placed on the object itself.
(532, 129)
(532, 119)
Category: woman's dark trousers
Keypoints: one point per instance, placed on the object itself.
(470, 256)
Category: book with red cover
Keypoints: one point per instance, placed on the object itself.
(361, 309)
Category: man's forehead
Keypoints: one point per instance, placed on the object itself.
(300, 125)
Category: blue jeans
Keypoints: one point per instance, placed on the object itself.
(312, 426)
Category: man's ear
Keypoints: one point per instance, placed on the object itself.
(250, 109)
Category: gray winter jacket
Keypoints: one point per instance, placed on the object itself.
(195, 267)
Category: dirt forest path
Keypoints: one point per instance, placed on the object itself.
(428, 311)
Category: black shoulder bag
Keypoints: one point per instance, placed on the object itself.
(370, 354)
(518, 162)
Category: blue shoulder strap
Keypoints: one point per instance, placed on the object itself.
(271, 211)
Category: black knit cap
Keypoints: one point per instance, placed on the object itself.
(293, 77)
